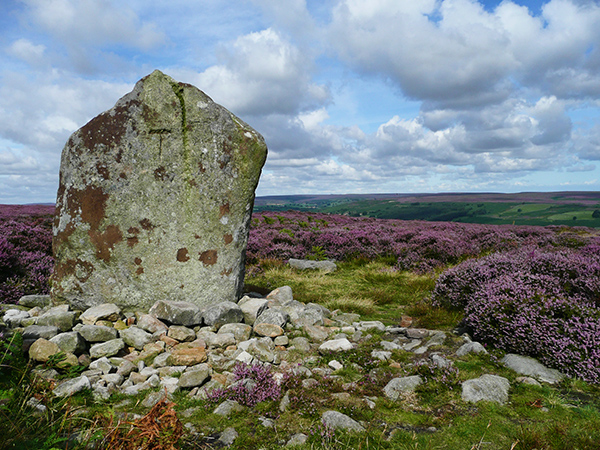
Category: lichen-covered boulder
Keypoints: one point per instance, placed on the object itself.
(155, 200)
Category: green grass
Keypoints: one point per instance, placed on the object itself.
(566, 416)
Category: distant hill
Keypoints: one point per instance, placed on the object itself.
(526, 208)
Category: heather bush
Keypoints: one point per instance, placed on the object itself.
(25, 256)
(253, 384)
(543, 303)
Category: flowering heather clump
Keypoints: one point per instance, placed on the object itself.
(25, 254)
(418, 246)
(253, 384)
(540, 303)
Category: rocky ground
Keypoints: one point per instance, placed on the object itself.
(176, 346)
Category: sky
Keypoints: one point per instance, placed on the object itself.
(351, 96)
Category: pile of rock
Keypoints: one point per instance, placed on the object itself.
(178, 346)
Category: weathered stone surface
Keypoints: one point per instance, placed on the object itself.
(177, 313)
(304, 264)
(63, 320)
(150, 323)
(531, 367)
(281, 295)
(268, 329)
(109, 348)
(155, 200)
(136, 337)
(72, 386)
(70, 342)
(42, 349)
(273, 315)
(240, 331)
(187, 356)
(252, 308)
(339, 421)
(194, 376)
(490, 388)
(104, 311)
(470, 347)
(403, 384)
(181, 333)
(34, 332)
(97, 333)
(336, 345)
(222, 313)
(228, 407)
(31, 301)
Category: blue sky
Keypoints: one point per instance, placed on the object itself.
(352, 96)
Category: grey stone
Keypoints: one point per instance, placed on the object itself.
(437, 339)
(70, 342)
(108, 348)
(281, 295)
(470, 347)
(252, 308)
(304, 264)
(153, 398)
(316, 333)
(194, 376)
(222, 313)
(440, 361)
(371, 325)
(347, 318)
(240, 331)
(416, 333)
(396, 386)
(42, 349)
(285, 402)
(228, 436)
(125, 368)
(177, 312)
(281, 340)
(34, 332)
(181, 333)
(13, 317)
(528, 380)
(136, 337)
(336, 345)
(487, 387)
(151, 324)
(63, 320)
(97, 333)
(72, 386)
(102, 364)
(274, 316)
(227, 408)
(104, 311)
(301, 344)
(31, 301)
(301, 316)
(533, 368)
(297, 439)
(339, 421)
(155, 200)
(381, 355)
(389, 346)
(262, 349)
(268, 329)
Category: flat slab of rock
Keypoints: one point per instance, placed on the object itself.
(155, 199)
(177, 312)
(105, 311)
(397, 386)
(339, 421)
(305, 264)
(491, 388)
(336, 345)
(533, 368)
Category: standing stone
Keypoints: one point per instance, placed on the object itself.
(155, 200)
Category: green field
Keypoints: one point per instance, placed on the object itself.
(518, 209)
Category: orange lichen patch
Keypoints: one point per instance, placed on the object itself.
(201, 167)
(228, 239)
(82, 270)
(105, 242)
(108, 128)
(132, 241)
(133, 230)
(226, 272)
(182, 255)
(139, 271)
(209, 257)
(223, 210)
(138, 260)
(92, 201)
(147, 225)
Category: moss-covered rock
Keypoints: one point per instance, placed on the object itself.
(155, 200)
